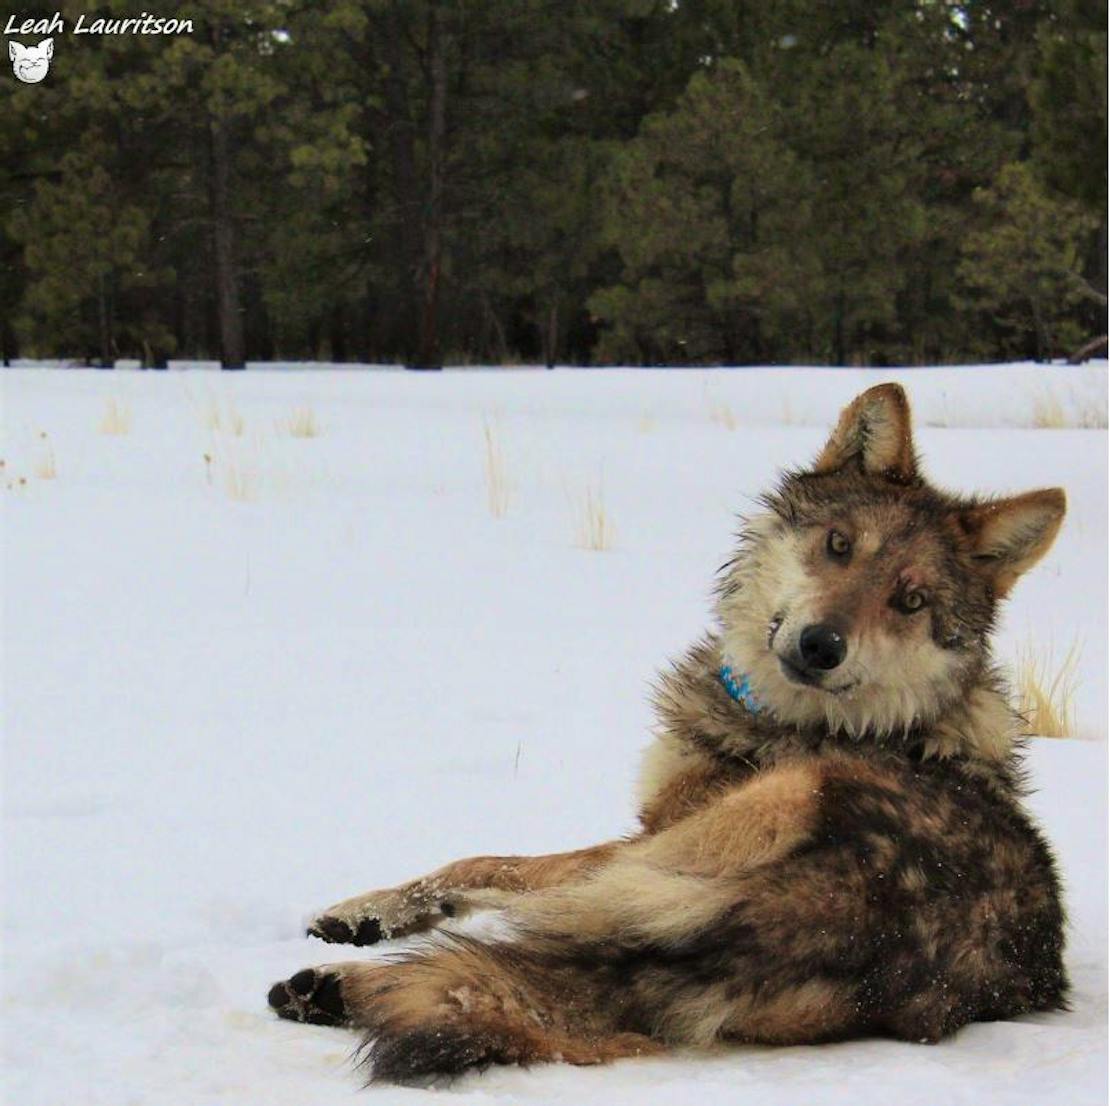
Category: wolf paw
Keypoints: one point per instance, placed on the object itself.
(313, 995)
(336, 931)
(379, 916)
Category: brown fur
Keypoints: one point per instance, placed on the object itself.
(849, 857)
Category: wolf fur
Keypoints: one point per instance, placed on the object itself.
(850, 858)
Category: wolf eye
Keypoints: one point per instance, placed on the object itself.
(837, 544)
(910, 601)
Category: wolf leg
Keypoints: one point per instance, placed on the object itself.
(479, 883)
(725, 926)
(642, 949)
(461, 1005)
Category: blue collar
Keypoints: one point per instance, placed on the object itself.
(739, 689)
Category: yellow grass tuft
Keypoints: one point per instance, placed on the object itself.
(229, 469)
(45, 466)
(238, 479)
(116, 418)
(222, 418)
(1046, 689)
(593, 528)
(497, 480)
(300, 424)
(1084, 411)
(1048, 412)
(721, 414)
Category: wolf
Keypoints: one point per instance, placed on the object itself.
(831, 837)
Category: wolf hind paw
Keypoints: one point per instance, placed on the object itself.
(314, 995)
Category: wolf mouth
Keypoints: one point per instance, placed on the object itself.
(800, 676)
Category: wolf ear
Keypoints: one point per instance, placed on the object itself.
(874, 431)
(1007, 537)
(49, 44)
(15, 50)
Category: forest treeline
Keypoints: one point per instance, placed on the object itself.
(492, 181)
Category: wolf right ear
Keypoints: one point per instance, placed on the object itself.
(1007, 537)
(15, 50)
(874, 431)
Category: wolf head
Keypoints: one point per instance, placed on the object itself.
(863, 599)
(31, 63)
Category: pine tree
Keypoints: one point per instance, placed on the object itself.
(704, 207)
(1024, 268)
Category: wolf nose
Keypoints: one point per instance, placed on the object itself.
(821, 647)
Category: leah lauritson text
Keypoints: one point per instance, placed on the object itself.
(142, 24)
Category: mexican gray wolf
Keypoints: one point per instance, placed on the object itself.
(831, 837)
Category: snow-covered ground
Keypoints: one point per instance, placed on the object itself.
(247, 674)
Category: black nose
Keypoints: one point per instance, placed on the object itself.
(821, 647)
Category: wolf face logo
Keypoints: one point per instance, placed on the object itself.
(31, 63)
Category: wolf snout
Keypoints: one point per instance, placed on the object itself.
(821, 647)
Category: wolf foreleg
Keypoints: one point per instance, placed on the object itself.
(478, 883)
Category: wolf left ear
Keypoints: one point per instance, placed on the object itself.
(874, 431)
(1007, 537)
(49, 44)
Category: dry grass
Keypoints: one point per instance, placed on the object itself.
(497, 480)
(239, 480)
(593, 527)
(1084, 412)
(300, 424)
(45, 466)
(1046, 689)
(222, 418)
(1048, 412)
(229, 469)
(116, 418)
(721, 414)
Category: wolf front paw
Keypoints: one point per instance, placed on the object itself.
(336, 931)
(314, 995)
(379, 916)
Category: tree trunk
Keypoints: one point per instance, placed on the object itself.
(154, 357)
(840, 353)
(228, 306)
(9, 348)
(103, 323)
(337, 333)
(428, 355)
(400, 325)
(494, 324)
(551, 336)
(1044, 343)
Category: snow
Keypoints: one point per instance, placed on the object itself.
(222, 714)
